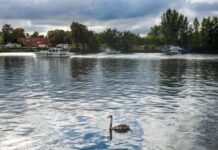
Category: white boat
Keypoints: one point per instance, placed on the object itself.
(54, 52)
(111, 51)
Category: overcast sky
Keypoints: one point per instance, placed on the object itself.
(133, 15)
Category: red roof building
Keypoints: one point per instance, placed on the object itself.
(36, 42)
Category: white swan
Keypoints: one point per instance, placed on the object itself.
(121, 128)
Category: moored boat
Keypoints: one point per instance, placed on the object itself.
(54, 52)
(173, 50)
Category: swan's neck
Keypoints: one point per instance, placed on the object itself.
(111, 123)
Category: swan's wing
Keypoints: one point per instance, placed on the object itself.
(121, 128)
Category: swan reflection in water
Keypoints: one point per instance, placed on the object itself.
(110, 137)
(120, 128)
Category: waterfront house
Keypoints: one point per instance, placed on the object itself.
(36, 42)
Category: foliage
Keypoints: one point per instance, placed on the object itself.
(7, 32)
(83, 37)
(195, 35)
(117, 40)
(93, 41)
(110, 37)
(59, 37)
(1, 40)
(79, 34)
(18, 34)
(174, 27)
(209, 34)
(35, 34)
(155, 36)
(127, 41)
(68, 37)
(11, 35)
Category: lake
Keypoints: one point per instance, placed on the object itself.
(170, 102)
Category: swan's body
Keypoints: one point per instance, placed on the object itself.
(118, 128)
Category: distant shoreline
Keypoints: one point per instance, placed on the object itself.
(33, 50)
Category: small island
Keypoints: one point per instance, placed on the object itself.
(173, 29)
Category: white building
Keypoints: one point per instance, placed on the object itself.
(12, 45)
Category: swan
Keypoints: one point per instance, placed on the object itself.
(121, 128)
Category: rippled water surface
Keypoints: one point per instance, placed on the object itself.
(170, 102)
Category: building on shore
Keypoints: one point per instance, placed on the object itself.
(42, 42)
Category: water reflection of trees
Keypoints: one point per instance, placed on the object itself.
(12, 101)
(207, 126)
(119, 68)
(118, 64)
(14, 68)
(205, 76)
(206, 70)
(172, 75)
(9, 62)
(201, 77)
(118, 76)
(82, 67)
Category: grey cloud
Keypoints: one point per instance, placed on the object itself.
(84, 9)
(120, 14)
(123, 9)
(134, 15)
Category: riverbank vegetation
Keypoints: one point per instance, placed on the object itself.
(174, 29)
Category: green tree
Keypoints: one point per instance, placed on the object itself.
(183, 31)
(214, 23)
(58, 37)
(7, 32)
(127, 41)
(18, 34)
(75, 33)
(174, 27)
(155, 36)
(93, 42)
(35, 34)
(190, 37)
(1, 40)
(79, 34)
(196, 25)
(205, 34)
(209, 34)
(196, 35)
(111, 37)
(68, 37)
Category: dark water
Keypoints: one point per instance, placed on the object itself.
(170, 102)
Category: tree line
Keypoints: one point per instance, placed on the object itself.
(10, 35)
(90, 41)
(174, 29)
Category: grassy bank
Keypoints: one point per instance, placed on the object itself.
(21, 49)
(133, 49)
(146, 49)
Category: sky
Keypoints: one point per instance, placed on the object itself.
(132, 15)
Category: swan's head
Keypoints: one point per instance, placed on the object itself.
(110, 116)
